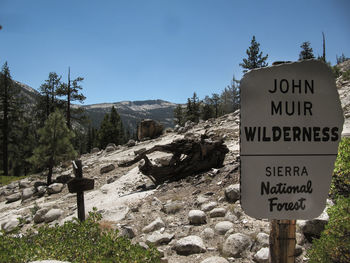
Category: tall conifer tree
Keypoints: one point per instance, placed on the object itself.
(255, 58)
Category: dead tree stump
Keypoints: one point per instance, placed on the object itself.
(190, 156)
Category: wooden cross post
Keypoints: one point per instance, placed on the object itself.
(282, 241)
(79, 185)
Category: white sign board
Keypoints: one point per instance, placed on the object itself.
(291, 124)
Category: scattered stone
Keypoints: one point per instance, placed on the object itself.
(107, 168)
(217, 212)
(110, 149)
(39, 183)
(95, 150)
(163, 161)
(128, 231)
(24, 184)
(262, 240)
(313, 228)
(55, 188)
(201, 199)
(142, 150)
(215, 260)
(172, 208)
(236, 244)
(189, 245)
(209, 206)
(131, 143)
(232, 193)
(52, 215)
(262, 256)
(298, 250)
(39, 216)
(197, 217)
(41, 190)
(208, 233)
(112, 179)
(231, 217)
(222, 227)
(28, 193)
(10, 225)
(157, 238)
(11, 186)
(13, 197)
(155, 225)
(111, 145)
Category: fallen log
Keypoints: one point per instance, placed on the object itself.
(189, 156)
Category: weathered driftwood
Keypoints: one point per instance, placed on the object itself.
(190, 156)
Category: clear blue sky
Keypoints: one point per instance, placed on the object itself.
(160, 49)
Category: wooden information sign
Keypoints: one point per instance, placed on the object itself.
(78, 185)
(291, 124)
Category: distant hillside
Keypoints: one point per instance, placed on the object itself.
(131, 112)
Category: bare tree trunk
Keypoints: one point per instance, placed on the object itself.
(68, 101)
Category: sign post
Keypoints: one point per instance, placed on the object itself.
(79, 185)
(291, 124)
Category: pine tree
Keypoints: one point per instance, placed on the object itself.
(71, 91)
(49, 91)
(54, 145)
(193, 108)
(111, 130)
(207, 110)
(10, 102)
(179, 115)
(230, 97)
(255, 57)
(216, 103)
(306, 51)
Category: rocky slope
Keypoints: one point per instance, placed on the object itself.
(197, 219)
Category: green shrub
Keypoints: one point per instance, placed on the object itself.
(341, 176)
(336, 71)
(334, 243)
(4, 180)
(74, 241)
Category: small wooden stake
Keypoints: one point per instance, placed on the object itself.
(78, 171)
(282, 241)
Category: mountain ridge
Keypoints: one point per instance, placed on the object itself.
(131, 112)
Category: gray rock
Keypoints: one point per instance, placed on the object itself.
(163, 161)
(217, 212)
(39, 216)
(313, 228)
(28, 193)
(232, 193)
(107, 168)
(222, 227)
(208, 206)
(131, 143)
(128, 231)
(189, 245)
(9, 225)
(172, 208)
(11, 186)
(95, 150)
(215, 259)
(262, 256)
(231, 217)
(262, 240)
(208, 233)
(24, 184)
(112, 145)
(41, 190)
(110, 149)
(298, 250)
(157, 238)
(155, 225)
(54, 188)
(52, 215)
(201, 199)
(197, 217)
(236, 244)
(13, 197)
